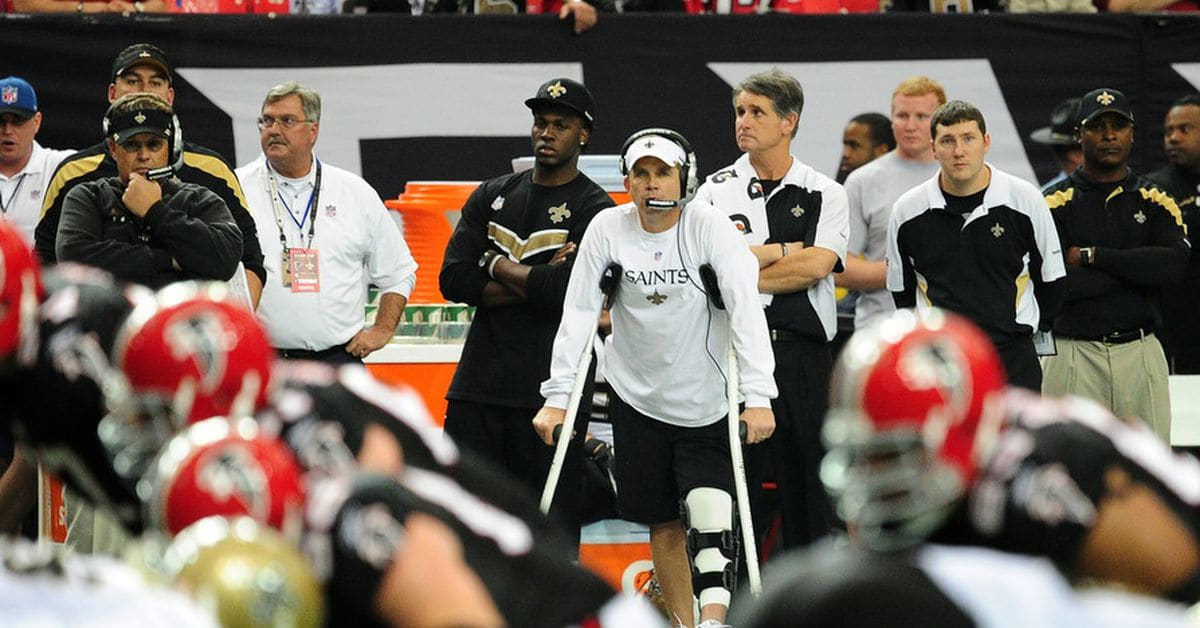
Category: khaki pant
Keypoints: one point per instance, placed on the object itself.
(1130, 379)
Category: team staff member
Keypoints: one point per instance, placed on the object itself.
(145, 68)
(665, 366)
(143, 231)
(874, 188)
(25, 166)
(1122, 241)
(510, 257)
(794, 220)
(313, 308)
(867, 137)
(973, 239)
(1181, 179)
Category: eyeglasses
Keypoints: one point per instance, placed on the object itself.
(134, 146)
(287, 122)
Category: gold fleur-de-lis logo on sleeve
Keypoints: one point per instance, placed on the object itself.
(559, 213)
(797, 211)
(556, 89)
(997, 230)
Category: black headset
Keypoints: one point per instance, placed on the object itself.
(174, 162)
(688, 183)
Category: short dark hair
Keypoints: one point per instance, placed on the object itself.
(783, 90)
(879, 126)
(955, 112)
(1190, 99)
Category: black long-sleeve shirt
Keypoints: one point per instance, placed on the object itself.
(190, 226)
(201, 166)
(1140, 246)
(507, 353)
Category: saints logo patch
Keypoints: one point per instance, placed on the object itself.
(1140, 217)
(556, 90)
(997, 230)
(1105, 98)
(656, 298)
(559, 213)
(797, 211)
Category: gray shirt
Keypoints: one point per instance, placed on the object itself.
(871, 191)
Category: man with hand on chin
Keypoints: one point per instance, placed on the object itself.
(665, 363)
(152, 232)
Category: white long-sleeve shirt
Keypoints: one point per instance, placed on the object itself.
(666, 356)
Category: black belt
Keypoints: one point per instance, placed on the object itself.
(1121, 337)
(306, 354)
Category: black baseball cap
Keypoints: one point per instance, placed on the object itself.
(142, 53)
(1103, 100)
(122, 126)
(1061, 131)
(564, 92)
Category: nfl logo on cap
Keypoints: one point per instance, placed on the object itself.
(10, 95)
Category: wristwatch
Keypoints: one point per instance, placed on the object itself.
(487, 261)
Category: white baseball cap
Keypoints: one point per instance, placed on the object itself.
(654, 146)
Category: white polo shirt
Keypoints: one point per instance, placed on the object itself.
(359, 243)
(21, 194)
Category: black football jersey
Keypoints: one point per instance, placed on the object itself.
(54, 404)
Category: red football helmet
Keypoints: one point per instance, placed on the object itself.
(225, 467)
(192, 353)
(20, 292)
(916, 403)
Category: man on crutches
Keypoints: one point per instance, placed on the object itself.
(666, 361)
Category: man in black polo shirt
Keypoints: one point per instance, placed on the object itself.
(145, 68)
(1122, 241)
(979, 242)
(1181, 179)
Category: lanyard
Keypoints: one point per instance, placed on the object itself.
(4, 207)
(277, 202)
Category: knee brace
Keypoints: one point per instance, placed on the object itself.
(712, 544)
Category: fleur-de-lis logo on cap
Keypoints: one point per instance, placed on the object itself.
(139, 118)
(1105, 98)
(556, 89)
(649, 144)
(143, 54)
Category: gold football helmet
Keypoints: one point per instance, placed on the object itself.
(247, 574)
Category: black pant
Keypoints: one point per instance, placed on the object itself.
(793, 454)
(1021, 363)
(505, 436)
